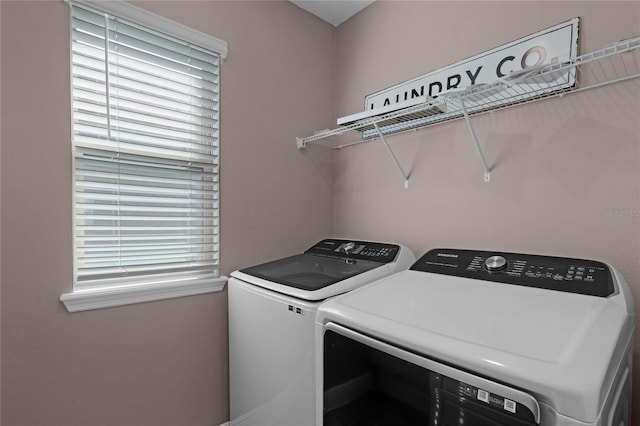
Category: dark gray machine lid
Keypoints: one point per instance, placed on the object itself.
(326, 263)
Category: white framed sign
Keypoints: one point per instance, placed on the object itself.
(552, 45)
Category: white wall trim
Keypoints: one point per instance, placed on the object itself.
(160, 23)
(84, 300)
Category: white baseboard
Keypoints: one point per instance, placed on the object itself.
(225, 424)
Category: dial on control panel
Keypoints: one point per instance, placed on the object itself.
(348, 247)
(495, 263)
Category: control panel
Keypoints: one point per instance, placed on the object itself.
(358, 250)
(553, 273)
(476, 401)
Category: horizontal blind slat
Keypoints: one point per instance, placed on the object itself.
(96, 141)
(157, 76)
(155, 50)
(118, 276)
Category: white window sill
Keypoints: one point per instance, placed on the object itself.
(84, 300)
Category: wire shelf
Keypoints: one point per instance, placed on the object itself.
(613, 64)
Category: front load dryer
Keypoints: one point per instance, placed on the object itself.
(477, 338)
(272, 309)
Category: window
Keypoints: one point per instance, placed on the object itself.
(145, 128)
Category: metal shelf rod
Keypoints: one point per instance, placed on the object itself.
(395, 159)
(487, 172)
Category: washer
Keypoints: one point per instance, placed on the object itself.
(479, 338)
(272, 309)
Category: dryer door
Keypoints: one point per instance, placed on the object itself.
(366, 381)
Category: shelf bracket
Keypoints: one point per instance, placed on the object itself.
(487, 172)
(393, 156)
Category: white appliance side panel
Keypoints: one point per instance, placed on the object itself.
(271, 358)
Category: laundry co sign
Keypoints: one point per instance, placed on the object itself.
(555, 44)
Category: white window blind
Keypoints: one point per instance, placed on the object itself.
(146, 163)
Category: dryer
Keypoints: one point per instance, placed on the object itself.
(479, 338)
(272, 308)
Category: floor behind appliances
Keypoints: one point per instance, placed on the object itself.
(272, 310)
(477, 338)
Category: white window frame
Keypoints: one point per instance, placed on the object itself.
(87, 299)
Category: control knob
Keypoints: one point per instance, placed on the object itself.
(495, 263)
(348, 247)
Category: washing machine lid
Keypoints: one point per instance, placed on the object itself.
(562, 347)
(330, 267)
(309, 271)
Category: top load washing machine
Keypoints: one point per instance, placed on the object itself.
(272, 310)
(477, 338)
